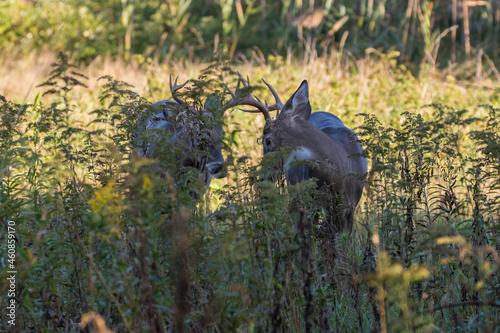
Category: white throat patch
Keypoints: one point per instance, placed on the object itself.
(300, 154)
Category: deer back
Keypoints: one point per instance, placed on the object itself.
(346, 151)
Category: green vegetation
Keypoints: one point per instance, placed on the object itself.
(430, 32)
(104, 241)
(100, 234)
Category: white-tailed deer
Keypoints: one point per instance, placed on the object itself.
(327, 149)
(197, 134)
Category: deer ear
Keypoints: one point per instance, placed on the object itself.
(298, 105)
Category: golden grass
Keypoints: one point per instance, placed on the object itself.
(339, 84)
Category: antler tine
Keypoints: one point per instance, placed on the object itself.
(242, 80)
(278, 105)
(258, 99)
(249, 99)
(174, 87)
(250, 111)
(233, 95)
(170, 82)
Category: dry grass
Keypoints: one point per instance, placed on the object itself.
(357, 79)
(237, 253)
(339, 84)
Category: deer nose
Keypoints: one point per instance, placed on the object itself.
(216, 169)
(268, 145)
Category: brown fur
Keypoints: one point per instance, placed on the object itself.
(332, 149)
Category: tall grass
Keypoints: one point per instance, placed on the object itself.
(430, 32)
(100, 236)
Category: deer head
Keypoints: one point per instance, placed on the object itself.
(326, 149)
(196, 133)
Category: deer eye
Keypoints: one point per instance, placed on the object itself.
(268, 142)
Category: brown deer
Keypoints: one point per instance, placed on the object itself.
(324, 147)
(198, 134)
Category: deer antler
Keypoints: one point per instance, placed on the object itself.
(278, 105)
(252, 100)
(173, 89)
